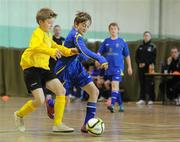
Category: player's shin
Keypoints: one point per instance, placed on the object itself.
(27, 108)
(59, 109)
(90, 111)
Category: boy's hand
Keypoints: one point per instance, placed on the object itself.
(57, 55)
(74, 51)
(104, 66)
(130, 72)
(169, 60)
(97, 64)
(141, 65)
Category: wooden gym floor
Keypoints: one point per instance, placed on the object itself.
(157, 123)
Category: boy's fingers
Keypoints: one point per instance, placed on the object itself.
(58, 54)
(74, 51)
(105, 66)
(54, 58)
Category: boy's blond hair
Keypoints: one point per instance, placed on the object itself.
(82, 17)
(45, 13)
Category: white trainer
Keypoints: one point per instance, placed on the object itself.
(62, 128)
(101, 99)
(179, 99)
(140, 102)
(150, 102)
(19, 122)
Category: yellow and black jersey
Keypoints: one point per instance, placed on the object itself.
(41, 47)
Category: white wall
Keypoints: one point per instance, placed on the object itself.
(133, 16)
(171, 17)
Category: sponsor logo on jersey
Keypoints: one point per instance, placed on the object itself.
(117, 45)
(149, 49)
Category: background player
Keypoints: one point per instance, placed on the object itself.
(115, 49)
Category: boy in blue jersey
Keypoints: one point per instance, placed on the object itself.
(70, 70)
(115, 49)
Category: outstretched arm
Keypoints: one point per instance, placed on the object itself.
(64, 50)
(84, 50)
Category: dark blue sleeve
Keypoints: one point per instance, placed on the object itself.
(82, 57)
(84, 50)
(125, 49)
(101, 49)
(102, 72)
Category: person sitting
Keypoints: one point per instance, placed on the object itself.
(173, 84)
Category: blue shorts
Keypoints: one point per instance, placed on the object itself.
(74, 75)
(116, 77)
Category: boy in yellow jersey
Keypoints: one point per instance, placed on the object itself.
(35, 65)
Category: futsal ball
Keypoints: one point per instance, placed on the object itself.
(95, 126)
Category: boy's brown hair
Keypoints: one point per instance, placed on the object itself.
(45, 13)
(82, 17)
(114, 25)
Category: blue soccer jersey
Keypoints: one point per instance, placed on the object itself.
(70, 69)
(74, 39)
(114, 51)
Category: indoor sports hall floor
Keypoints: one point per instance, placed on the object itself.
(157, 123)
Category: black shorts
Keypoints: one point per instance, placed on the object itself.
(37, 77)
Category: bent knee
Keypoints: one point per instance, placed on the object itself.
(60, 91)
(96, 91)
(63, 91)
